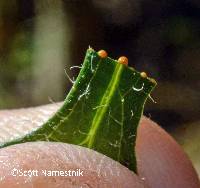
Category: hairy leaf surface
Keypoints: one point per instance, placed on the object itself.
(101, 112)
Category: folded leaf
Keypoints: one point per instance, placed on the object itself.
(101, 112)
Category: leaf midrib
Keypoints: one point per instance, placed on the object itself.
(104, 103)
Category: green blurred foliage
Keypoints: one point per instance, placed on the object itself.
(39, 39)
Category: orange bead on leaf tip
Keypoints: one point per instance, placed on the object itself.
(123, 60)
(143, 74)
(102, 53)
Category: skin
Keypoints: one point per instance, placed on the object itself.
(161, 161)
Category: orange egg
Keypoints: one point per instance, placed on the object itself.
(102, 53)
(123, 60)
(143, 74)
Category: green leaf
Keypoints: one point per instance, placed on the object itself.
(101, 112)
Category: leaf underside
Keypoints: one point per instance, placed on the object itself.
(101, 112)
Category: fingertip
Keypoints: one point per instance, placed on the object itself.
(161, 161)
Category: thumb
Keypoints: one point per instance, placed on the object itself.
(97, 169)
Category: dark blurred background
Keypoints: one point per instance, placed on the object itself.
(41, 38)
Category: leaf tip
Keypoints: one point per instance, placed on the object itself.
(153, 81)
(90, 49)
(144, 75)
